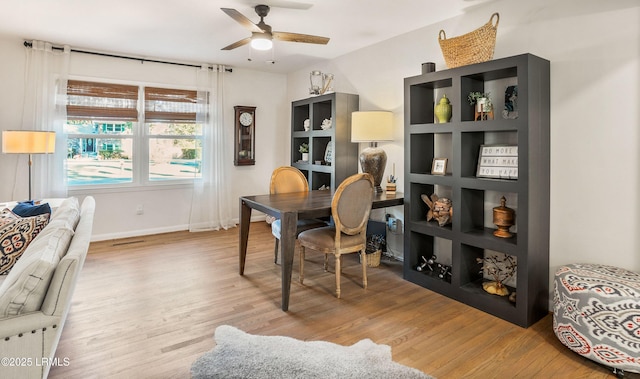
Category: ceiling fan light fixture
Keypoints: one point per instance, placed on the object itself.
(261, 41)
(262, 34)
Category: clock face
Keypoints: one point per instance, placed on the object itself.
(246, 119)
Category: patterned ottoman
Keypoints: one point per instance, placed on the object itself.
(597, 314)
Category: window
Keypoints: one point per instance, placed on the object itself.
(174, 143)
(115, 138)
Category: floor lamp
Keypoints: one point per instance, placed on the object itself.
(372, 126)
(28, 142)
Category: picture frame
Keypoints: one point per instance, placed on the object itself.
(328, 153)
(498, 162)
(439, 166)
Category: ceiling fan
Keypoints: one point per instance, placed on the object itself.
(261, 34)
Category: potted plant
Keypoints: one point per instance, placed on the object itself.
(304, 150)
(481, 100)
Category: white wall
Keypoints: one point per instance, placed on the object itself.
(165, 208)
(595, 117)
(594, 51)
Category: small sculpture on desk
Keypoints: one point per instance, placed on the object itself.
(440, 209)
(391, 185)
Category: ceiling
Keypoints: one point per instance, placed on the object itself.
(194, 31)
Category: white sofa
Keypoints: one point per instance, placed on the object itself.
(36, 294)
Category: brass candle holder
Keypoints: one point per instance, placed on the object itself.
(504, 218)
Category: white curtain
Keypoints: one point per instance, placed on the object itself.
(44, 108)
(210, 204)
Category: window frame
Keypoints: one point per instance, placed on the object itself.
(140, 137)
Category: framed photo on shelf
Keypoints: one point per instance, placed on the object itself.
(439, 166)
(498, 162)
(328, 153)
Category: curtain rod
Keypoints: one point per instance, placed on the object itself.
(141, 60)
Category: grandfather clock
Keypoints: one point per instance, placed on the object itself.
(244, 136)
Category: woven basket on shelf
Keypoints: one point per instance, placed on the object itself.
(474, 47)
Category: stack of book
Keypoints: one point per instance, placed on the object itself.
(391, 187)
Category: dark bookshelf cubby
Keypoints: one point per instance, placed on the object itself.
(470, 235)
(338, 108)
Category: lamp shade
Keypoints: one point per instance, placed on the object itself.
(370, 126)
(28, 142)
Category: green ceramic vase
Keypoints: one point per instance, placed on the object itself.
(443, 110)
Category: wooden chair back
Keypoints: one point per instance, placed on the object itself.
(351, 205)
(287, 179)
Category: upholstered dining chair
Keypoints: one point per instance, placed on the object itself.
(350, 208)
(287, 179)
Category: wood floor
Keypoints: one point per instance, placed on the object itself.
(147, 307)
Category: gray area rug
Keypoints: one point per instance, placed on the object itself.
(241, 355)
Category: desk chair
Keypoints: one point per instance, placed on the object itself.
(350, 209)
(287, 179)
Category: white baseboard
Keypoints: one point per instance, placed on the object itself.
(138, 233)
(166, 229)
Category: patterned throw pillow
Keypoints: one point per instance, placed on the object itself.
(15, 236)
(6, 216)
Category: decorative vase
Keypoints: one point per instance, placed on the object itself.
(315, 77)
(305, 157)
(443, 110)
(504, 218)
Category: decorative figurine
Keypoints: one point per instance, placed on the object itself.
(428, 263)
(501, 270)
(504, 217)
(440, 209)
(445, 272)
(326, 124)
(431, 266)
(510, 103)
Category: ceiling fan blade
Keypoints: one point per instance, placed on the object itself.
(242, 42)
(242, 20)
(296, 37)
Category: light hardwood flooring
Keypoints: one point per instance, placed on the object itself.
(147, 307)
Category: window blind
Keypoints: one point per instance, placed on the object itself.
(103, 101)
(170, 105)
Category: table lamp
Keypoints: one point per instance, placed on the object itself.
(372, 126)
(28, 142)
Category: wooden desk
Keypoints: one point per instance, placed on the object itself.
(290, 207)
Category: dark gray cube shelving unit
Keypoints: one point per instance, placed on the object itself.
(337, 107)
(470, 236)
